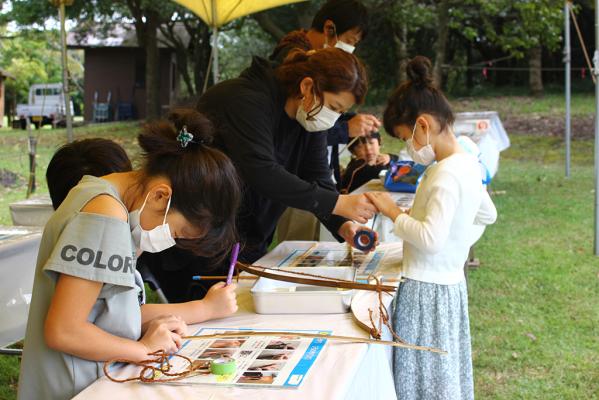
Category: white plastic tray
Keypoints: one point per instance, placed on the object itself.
(278, 297)
(35, 211)
(18, 254)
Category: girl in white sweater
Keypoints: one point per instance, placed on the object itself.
(450, 209)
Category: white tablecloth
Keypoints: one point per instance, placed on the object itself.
(487, 131)
(18, 254)
(342, 370)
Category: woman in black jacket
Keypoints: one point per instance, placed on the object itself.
(271, 122)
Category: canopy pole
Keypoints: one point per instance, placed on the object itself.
(596, 73)
(215, 55)
(214, 42)
(208, 69)
(567, 61)
(65, 77)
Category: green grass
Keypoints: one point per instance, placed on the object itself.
(9, 377)
(14, 155)
(534, 314)
(534, 302)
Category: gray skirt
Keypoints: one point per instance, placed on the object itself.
(433, 315)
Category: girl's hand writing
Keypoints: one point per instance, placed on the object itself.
(221, 300)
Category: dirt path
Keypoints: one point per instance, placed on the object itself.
(582, 126)
(527, 115)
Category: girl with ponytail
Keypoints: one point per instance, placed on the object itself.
(450, 210)
(88, 303)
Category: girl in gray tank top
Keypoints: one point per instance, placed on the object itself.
(87, 304)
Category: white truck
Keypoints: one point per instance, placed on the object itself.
(46, 106)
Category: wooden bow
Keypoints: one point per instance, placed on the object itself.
(310, 279)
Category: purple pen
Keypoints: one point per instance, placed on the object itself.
(234, 255)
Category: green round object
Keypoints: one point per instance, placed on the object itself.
(223, 366)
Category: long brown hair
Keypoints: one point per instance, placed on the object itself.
(205, 184)
(331, 69)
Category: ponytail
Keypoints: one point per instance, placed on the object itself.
(416, 96)
(205, 184)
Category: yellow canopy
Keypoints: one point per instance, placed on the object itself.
(217, 13)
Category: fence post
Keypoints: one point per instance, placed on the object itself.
(32, 141)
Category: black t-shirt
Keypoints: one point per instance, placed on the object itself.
(357, 174)
(281, 164)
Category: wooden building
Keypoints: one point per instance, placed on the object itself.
(115, 64)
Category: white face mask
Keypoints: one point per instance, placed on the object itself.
(339, 43)
(345, 46)
(155, 240)
(324, 120)
(424, 156)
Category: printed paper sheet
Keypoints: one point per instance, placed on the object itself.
(272, 361)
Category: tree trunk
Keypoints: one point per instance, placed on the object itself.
(401, 45)
(201, 55)
(182, 54)
(535, 62)
(10, 111)
(469, 72)
(152, 66)
(146, 24)
(404, 55)
(183, 68)
(441, 44)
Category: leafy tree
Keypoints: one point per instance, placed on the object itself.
(33, 57)
(239, 44)
(397, 31)
(518, 29)
(147, 16)
(193, 52)
(279, 21)
(33, 13)
(456, 35)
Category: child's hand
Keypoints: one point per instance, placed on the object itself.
(164, 333)
(385, 204)
(221, 300)
(383, 159)
(362, 125)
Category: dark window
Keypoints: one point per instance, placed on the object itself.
(47, 92)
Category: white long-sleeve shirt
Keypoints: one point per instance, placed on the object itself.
(450, 210)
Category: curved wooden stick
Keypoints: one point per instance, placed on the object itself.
(315, 280)
(349, 339)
